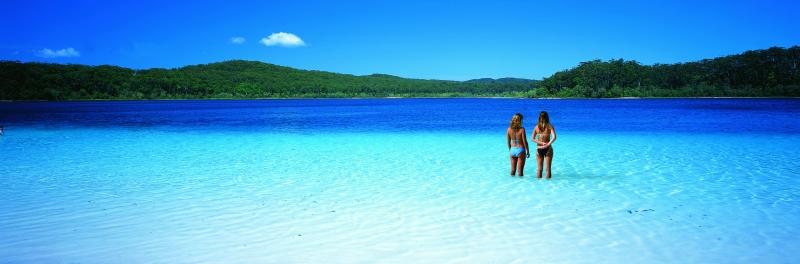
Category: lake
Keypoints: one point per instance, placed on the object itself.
(398, 180)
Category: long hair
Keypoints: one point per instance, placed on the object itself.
(544, 121)
(516, 121)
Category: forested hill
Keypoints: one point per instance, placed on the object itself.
(770, 72)
(229, 79)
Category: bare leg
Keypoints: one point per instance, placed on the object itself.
(513, 165)
(521, 164)
(539, 160)
(549, 160)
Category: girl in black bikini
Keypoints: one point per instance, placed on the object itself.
(544, 150)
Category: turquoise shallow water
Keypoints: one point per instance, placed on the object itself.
(329, 181)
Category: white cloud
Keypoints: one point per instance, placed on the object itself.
(62, 53)
(237, 40)
(283, 39)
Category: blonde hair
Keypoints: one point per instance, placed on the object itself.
(544, 121)
(516, 121)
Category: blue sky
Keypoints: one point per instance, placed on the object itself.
(454, 40)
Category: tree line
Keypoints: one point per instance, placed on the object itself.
(762, 73)
(229, 79)
(770, 72)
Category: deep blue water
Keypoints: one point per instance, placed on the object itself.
(469, 115)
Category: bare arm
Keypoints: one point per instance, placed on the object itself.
(508, 138)
(525, 143)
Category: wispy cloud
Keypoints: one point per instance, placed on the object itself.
(237, 40)
(62, 53)
(283, 39)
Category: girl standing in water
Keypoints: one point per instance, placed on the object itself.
(544, 150)
(517, 144)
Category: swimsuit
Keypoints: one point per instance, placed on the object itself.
(548, 151)
(515, 151)
(516, 148)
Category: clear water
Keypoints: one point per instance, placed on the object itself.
(398, 180)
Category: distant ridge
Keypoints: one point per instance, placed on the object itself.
(380, 75)
(227, 79)
(501, 80)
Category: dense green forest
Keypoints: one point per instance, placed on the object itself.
(229, 79)
(770, 72)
